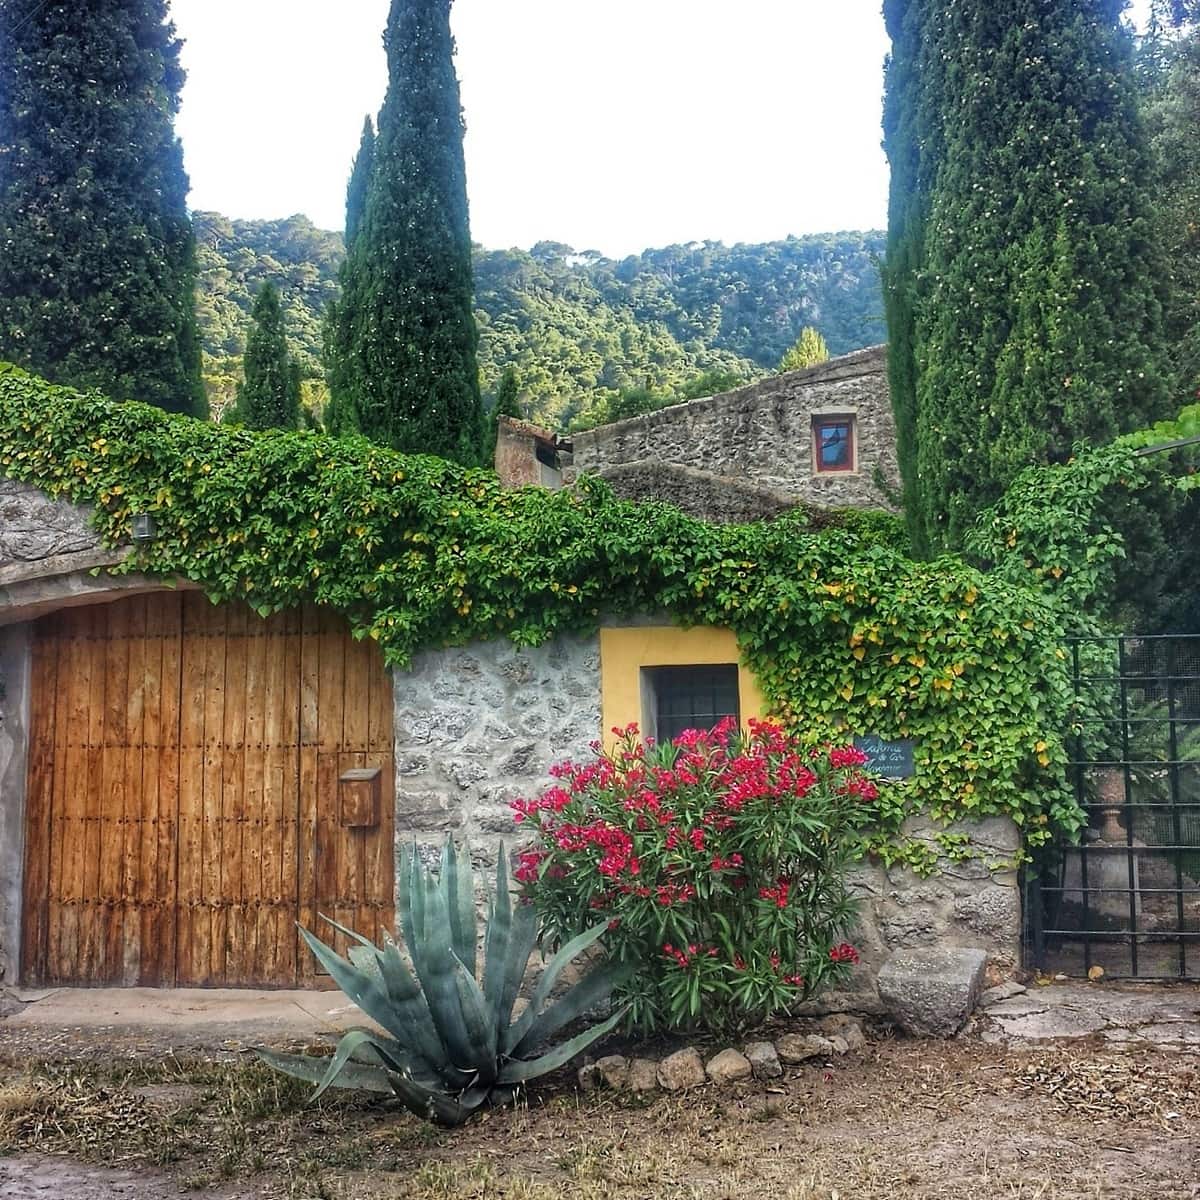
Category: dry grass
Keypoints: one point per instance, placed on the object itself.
(958, 1121)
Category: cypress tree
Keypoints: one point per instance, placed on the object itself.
(1174, 117)
(809, 350)
(401, 342)
(360, 182)
(1028, 293)
(97, 255)
(506, 404)
(270, 396)
(912, 139)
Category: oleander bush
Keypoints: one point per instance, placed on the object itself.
(718, 860)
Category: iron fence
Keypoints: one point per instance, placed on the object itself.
(1126, 897)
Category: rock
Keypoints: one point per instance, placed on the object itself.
(849, 1029)
(588, 1076)
(931, 992)
(763, 1060)
(994, 913)
(730, 1066)
(613, 1071)
(643, 1075)
(840, 1045)
(683, 1069)
(800, 1047)
(1002, 991)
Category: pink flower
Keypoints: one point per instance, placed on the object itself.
(847, 756)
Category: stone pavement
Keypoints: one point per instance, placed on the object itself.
(1166, 1015)
(146, 1019)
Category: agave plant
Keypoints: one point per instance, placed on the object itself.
(450, 1043)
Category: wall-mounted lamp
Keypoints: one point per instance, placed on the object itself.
(144, 529)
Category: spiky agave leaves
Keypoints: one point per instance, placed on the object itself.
(450, 1045)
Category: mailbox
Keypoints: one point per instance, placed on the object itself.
(358, 792)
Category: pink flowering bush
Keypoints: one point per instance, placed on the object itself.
(719, 860)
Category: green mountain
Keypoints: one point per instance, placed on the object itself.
(580, 328)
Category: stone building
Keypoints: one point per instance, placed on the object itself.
(181, 782)
(823, 436)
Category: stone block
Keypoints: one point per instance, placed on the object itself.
(1002, 991)
(800, 1047)
(763, 1060)
(426, 812)
(994, 912)
(931, 992)
(613, 1071)
(643, 1075)
(849, 1029)
(681, 1070)
(730, 1066)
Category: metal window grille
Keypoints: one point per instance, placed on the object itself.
(1126, 896)
(693, 698)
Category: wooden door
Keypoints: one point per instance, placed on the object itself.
(183, 802)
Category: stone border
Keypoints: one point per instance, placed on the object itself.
(761, 1060)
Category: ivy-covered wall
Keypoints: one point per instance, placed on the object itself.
(844, 632)
(478, 726)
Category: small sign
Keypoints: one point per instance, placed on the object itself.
(892, 760)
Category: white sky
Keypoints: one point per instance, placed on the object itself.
(607, 124)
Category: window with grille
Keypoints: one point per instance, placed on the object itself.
(679, 698)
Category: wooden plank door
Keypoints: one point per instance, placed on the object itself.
(99, 886)
(183, 802)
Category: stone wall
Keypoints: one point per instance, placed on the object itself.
(763, 434)
(479, 726)
(50, 557)
(33, 527)
(701, 494)
(972, 904)
(475, 728)
(14, 729)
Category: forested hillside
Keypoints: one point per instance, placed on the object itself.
(579, 328)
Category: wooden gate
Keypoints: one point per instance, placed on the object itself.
(184, 807)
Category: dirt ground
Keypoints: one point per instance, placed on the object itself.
(960, 1120)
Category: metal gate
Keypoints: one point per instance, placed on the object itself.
(1126, 897)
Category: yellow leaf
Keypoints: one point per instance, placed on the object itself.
(847, 692)
(860, 653)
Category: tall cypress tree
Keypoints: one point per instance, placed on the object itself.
(1030, 288)
(97, 255)
(270, 396)
(401, 342)
(912, 132)
(506, 404)
(360, 182)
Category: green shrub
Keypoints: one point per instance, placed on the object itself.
(719, 861)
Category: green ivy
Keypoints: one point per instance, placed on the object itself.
(844, 632)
